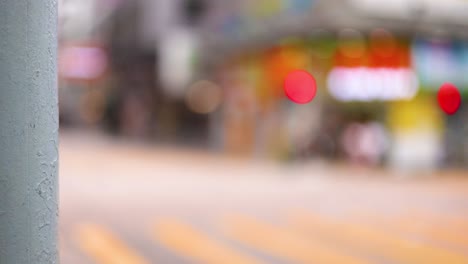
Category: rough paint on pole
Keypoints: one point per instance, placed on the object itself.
(28, 132)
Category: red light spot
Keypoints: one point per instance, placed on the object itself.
(449, 98)
(300, 86)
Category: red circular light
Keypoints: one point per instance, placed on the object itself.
(300, 86)
(449, 98)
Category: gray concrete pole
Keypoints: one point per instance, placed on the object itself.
(28, 132)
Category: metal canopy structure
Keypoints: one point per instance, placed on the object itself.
(419, 17)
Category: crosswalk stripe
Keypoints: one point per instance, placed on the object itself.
(104, 247)
(435, 232)
(425, 226)
(365, 238)
(457, 220)
(185, 240)
(283, 243)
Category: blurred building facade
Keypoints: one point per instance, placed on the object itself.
(210, 73)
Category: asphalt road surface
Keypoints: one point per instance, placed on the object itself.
(134, 203)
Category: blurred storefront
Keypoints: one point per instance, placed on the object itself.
(211, 72)
(373, 88)
(439, 60)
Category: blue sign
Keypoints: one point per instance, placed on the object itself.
(437, 62)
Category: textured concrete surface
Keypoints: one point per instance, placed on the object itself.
(28, 132)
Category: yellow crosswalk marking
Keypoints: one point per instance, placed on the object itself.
(283, 243)
(372, 240)
(426, 226)
(105, 248)
(448, 234)
(459, 220)
(185, 240)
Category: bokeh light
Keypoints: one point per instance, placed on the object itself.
(322, 44)
(203, 97)
(300, 86)
(351, 43)
(81, 62)
(382, 42)
(449, 98)
(369, 84)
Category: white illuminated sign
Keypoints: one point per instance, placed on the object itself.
(369, 84)
(176, 52)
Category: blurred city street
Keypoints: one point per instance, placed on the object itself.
(233, 131)
(127, 202)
